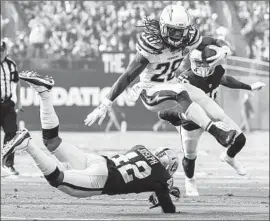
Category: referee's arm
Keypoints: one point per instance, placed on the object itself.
(15, 79)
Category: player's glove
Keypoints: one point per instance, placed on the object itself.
(221, 54)
(257, 86)
(98, 113)
(153, 200)
(175, 191)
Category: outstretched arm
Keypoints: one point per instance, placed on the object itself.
(134, 69)
(231, 82)
(164, 199)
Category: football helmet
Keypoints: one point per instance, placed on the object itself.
(199, 67)
(174, 25)
(168, 159)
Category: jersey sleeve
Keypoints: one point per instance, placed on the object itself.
(14, 71)
(195, 38)
(148, 46)
(164, 198)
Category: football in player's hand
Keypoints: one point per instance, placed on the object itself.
(207, 53)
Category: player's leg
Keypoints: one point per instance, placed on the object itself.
(229, 155)
(175, 96)
(10, 128)
(77, 183)
(63, 151)
(189, 143)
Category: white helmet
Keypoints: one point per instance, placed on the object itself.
(198, 66)
(174, 25)
(168, 159)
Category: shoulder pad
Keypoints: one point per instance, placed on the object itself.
(194, 36)
(148, 43)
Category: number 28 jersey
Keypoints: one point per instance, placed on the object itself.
(136, 171)
(163, 61)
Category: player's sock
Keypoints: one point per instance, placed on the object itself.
(196, 114)
(189, 167)
(45, 163)
(48, 116)
(237, 146)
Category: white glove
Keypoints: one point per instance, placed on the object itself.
(257, 86)
(98, 113)
(221, 54)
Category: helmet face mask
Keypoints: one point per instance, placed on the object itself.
(199, 67)
(168, 159)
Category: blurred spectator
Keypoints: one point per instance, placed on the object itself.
(83, 29)
(247, 112)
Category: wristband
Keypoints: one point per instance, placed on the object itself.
(107, 102)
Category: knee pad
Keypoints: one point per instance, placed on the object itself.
(188, 166)
(52, 144)
(240, 140)
(50, 133)
(237, 146)
(55, 178)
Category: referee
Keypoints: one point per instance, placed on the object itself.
(8, 121)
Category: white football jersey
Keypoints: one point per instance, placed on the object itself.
(162, 61)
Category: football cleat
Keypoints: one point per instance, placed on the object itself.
(235, 164)
(36, 81)
(9, 171)
(222, 133)
(19, 142)
(191, 187)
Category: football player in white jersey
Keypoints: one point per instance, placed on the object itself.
(160, 49)
(194, 70)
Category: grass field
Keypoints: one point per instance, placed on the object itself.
(223, 194)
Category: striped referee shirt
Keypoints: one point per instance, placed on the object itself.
(9, 74)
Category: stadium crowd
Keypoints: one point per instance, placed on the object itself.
(83, 29)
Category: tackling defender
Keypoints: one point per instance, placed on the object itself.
(195, 71)
(160, 50)
(136, 171)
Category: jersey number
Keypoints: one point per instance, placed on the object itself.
(140, 169)
(172, 67)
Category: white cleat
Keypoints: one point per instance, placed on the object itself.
(235, 164)
(19, 142)
(36, 81)
(191, 187)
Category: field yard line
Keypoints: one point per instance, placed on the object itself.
(67, 218)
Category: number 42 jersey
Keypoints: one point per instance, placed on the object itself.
(163, 61)
(136, 171)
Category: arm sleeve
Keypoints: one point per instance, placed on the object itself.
(207, 40)
(231, 82)
(164, 199)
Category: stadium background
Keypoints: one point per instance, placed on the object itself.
(86, 45)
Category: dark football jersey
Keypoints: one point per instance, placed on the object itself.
(136, 171)
(208, 84)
